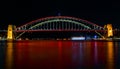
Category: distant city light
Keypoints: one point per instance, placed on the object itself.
(78, 38)
(95, 36)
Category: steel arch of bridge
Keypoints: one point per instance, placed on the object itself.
(59, 23)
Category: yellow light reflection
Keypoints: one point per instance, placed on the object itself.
(9, 55)
(110, 59)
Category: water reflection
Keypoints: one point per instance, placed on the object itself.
(61, 55)
(95, 52)
(9, 55)
(83, 54)
(110, 55)
(60, 59)
(2, 53)
(77, 53)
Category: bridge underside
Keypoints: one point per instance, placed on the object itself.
(55, 35)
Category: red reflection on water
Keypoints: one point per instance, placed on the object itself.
(41, 54)
(61, 54)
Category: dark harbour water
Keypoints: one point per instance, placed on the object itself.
(51, 54)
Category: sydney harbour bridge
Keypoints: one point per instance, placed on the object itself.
(59, 24)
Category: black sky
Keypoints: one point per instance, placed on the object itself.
(23, 11)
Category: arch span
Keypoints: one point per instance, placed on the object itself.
(63, 23)
(83, 23)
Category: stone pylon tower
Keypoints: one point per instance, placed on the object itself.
(10, 34)
(109, 30)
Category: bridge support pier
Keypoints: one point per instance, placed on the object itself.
(109, 30)
(10, 34)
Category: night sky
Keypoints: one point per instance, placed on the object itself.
(20, 12)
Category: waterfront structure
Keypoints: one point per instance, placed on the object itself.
(10, 32)
(110, 30)
(59, 23)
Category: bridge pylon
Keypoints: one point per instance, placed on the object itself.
(109, 30)
(10, 34)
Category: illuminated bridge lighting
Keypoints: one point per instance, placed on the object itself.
(60, 24)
